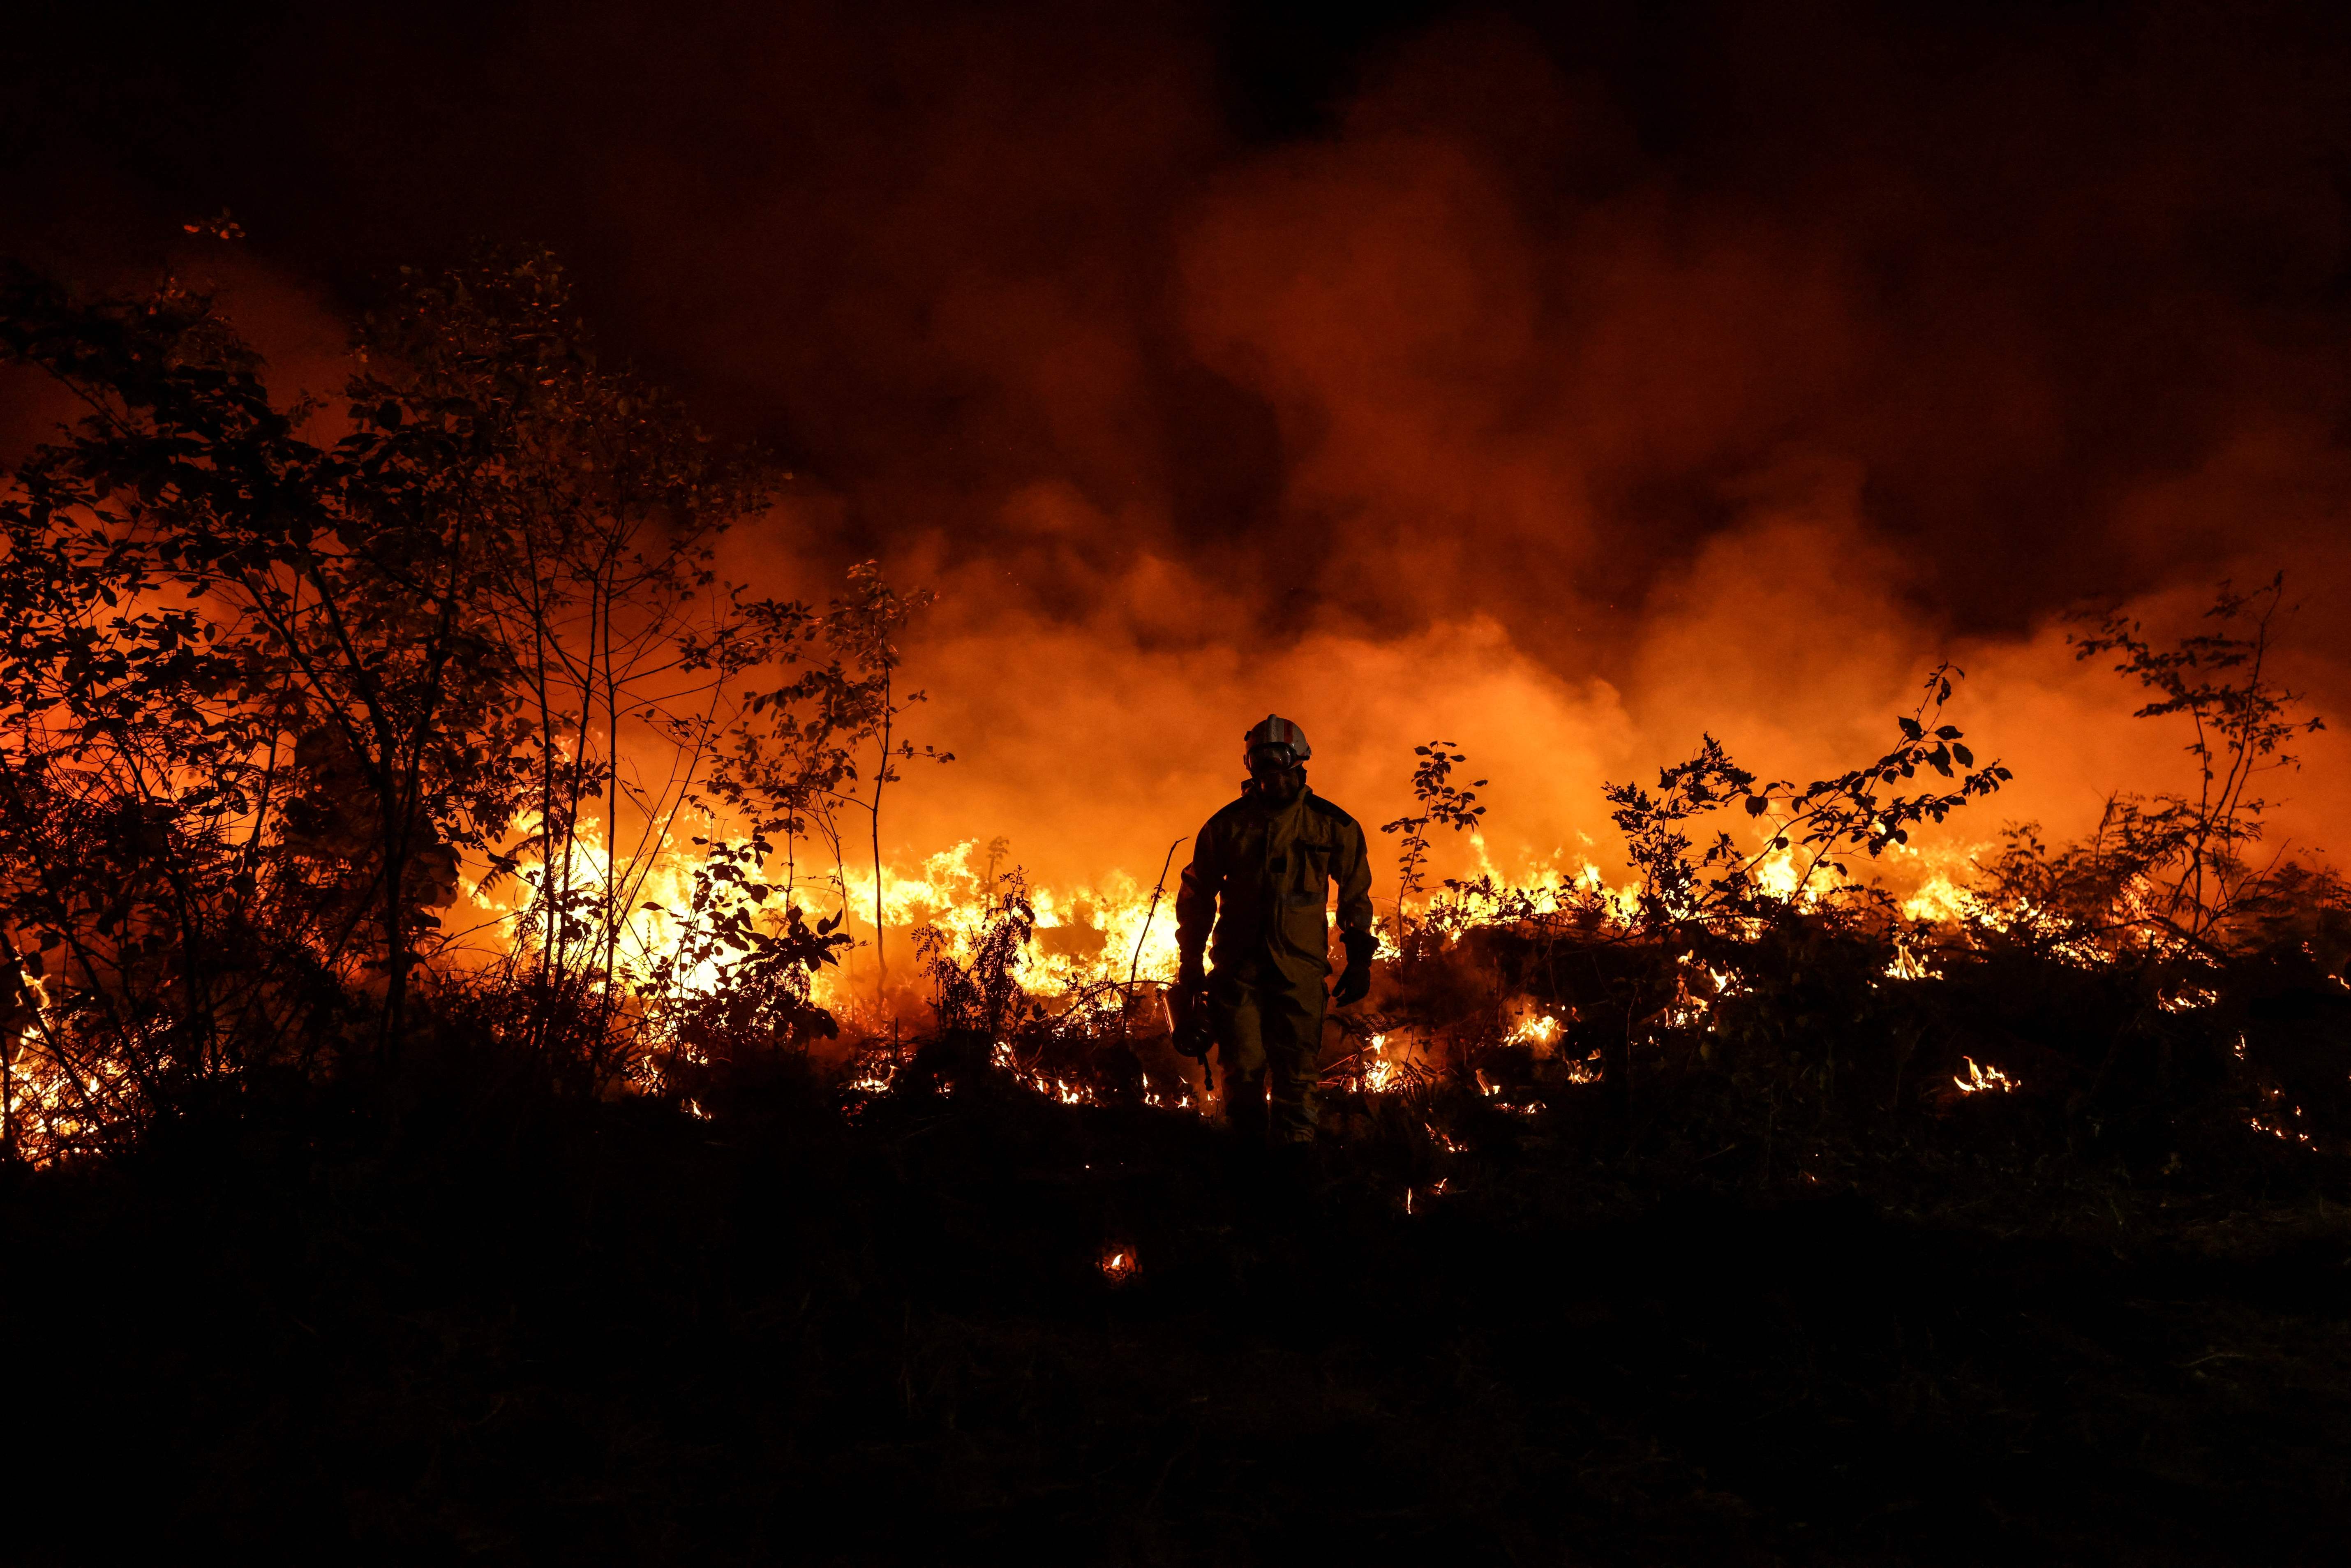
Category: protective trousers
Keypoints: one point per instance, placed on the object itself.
(1269, 1038)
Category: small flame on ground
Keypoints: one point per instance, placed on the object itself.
(2290, 1135)
(1120, 1265)
(1380, 1074)
(877, 1073)
(1539, 1030)
(1981, 1080)
(1035, 1080)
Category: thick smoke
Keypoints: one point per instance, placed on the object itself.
(1567, 388)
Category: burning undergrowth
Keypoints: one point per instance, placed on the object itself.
(1814, 1045)
(1755, 1007)
(323, 747)
(631, 1163)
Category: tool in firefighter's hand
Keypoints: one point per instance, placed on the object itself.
(1187, 1014)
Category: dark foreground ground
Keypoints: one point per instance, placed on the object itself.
(501, 1328)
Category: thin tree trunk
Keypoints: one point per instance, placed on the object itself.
(881, 777)
(395, 992)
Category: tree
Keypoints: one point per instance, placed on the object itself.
(1442, 804)
(791, 767)
(265, 698)
(607, 502)
(2192, 849)
(324, 676)
(860, 690)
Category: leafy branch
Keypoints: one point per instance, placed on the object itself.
(2242, 722)
(1813, 829)
(1442, 804)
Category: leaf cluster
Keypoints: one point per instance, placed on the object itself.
(2182, 859)
(1812, 830)
(1443, 804)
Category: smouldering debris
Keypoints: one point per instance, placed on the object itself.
(1978, 1080)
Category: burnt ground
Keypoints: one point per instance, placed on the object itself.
(501, 1327)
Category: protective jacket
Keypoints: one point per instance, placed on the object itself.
(1261, 877)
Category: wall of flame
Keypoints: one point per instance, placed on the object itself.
(1509, 395)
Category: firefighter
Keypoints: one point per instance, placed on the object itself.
(1260, 875)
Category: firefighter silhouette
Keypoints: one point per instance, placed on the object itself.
(1253, 902)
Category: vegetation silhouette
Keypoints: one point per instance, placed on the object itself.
(1741, 1215)
(269, 696)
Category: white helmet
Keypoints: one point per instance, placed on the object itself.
(1275, 730)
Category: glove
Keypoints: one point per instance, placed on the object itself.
(1355, 982)
(1188, 1008)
